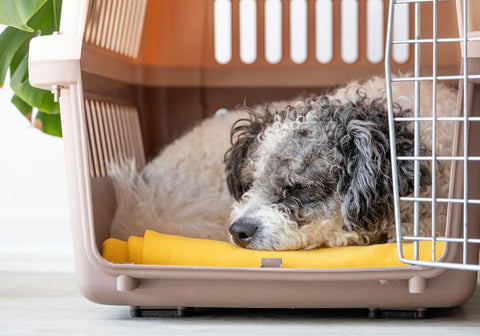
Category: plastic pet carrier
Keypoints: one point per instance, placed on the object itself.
(132, 75)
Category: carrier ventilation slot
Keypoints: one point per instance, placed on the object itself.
(113, 135)
(274, 19)
(116, 25)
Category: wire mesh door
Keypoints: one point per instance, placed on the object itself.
(444, 212)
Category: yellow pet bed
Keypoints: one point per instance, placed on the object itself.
(162, 249)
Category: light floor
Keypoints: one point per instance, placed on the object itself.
(49, 304)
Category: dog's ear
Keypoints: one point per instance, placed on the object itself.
(244, 139)
(367, 181)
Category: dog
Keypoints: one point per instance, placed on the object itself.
(293, 175)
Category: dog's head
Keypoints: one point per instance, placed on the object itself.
(316, 174)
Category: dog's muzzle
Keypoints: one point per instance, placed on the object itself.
(243, 230)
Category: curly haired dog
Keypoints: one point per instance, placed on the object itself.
(314, 174)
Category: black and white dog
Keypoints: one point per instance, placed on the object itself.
(310, 174)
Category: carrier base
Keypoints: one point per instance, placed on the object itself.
(373, 313)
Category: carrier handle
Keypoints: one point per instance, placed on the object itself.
(54, 61)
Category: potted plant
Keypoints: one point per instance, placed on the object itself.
(26, 19)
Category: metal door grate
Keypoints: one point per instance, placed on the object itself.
(460, 240)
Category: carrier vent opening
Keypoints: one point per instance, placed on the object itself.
(116, 25)
(114, 135)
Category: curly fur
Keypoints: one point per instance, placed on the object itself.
(308, 174)
(319, 160)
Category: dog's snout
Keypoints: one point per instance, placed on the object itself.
(242, 231)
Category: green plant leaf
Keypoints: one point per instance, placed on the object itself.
(57, 10)
(17, 13)
(48, 123)
(27, 19)
(42, 99)
(46, 20)
(11, 40)
(22, 106)
(20, 55)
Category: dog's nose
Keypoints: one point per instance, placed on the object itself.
(242, 231)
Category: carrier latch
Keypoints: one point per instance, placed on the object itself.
(271, 262)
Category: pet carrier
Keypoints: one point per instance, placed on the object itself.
(132, 75)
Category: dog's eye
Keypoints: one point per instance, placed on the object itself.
(296, 192)
(296, 188)
(299, 186)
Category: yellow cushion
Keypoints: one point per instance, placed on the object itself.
(162, 249)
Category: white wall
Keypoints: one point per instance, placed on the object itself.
(34, 219)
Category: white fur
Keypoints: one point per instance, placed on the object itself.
(186, 192)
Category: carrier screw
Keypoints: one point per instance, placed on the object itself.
(56, 92)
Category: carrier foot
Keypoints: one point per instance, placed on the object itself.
(161, 312)
(375, 313)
